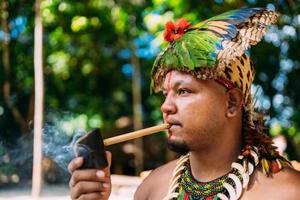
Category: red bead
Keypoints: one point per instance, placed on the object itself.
(274, 167)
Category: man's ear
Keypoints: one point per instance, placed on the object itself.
(234, 102)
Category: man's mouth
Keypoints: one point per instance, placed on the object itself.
(174, 124)
(172, 121)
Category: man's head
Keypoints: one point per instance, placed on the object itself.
(212, 53)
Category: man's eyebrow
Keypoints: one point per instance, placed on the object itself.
(176, 84)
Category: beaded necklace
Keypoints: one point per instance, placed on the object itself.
(183, 186)
(191, 189)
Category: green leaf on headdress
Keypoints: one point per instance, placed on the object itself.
(194, 49)
(184, 55)
(201, 45)
(171, 59)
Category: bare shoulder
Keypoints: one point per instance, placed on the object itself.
(289, 179)
(289, 175)
(282, 185)
(155, 185)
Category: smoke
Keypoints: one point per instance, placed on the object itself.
(58, 146)
(60, 133)
(61, 130)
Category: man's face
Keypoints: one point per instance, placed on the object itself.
(195, 109)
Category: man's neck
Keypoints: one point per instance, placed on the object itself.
(215, 161)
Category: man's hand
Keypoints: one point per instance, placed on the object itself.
(89, 184)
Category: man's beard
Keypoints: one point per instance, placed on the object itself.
(178, 147)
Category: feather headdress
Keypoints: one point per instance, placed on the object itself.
(214, 48)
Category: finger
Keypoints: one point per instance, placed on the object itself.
(109, 159)
(85, 187)
(93, 196)
(87, 175)
(75, 164)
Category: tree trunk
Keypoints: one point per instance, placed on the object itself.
(137, 111)
(38, 106)
(7, 74)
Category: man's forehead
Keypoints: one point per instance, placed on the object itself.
(178, 76)
(175, 78)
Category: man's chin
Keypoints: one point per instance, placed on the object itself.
(179, 147)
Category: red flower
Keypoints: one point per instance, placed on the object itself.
(175, 31)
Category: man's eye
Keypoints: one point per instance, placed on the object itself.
(182, 91)
(164, 93)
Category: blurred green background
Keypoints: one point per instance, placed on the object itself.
(92, 49)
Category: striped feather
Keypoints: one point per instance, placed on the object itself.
(238, 30)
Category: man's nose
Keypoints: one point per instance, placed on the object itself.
(168, 106)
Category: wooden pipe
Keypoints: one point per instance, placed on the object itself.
(135, 134)
(91, 146)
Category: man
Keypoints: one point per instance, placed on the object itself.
(206, 76)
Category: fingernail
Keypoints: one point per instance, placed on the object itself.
(100, 174)
(105, 185)
(72, 184)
